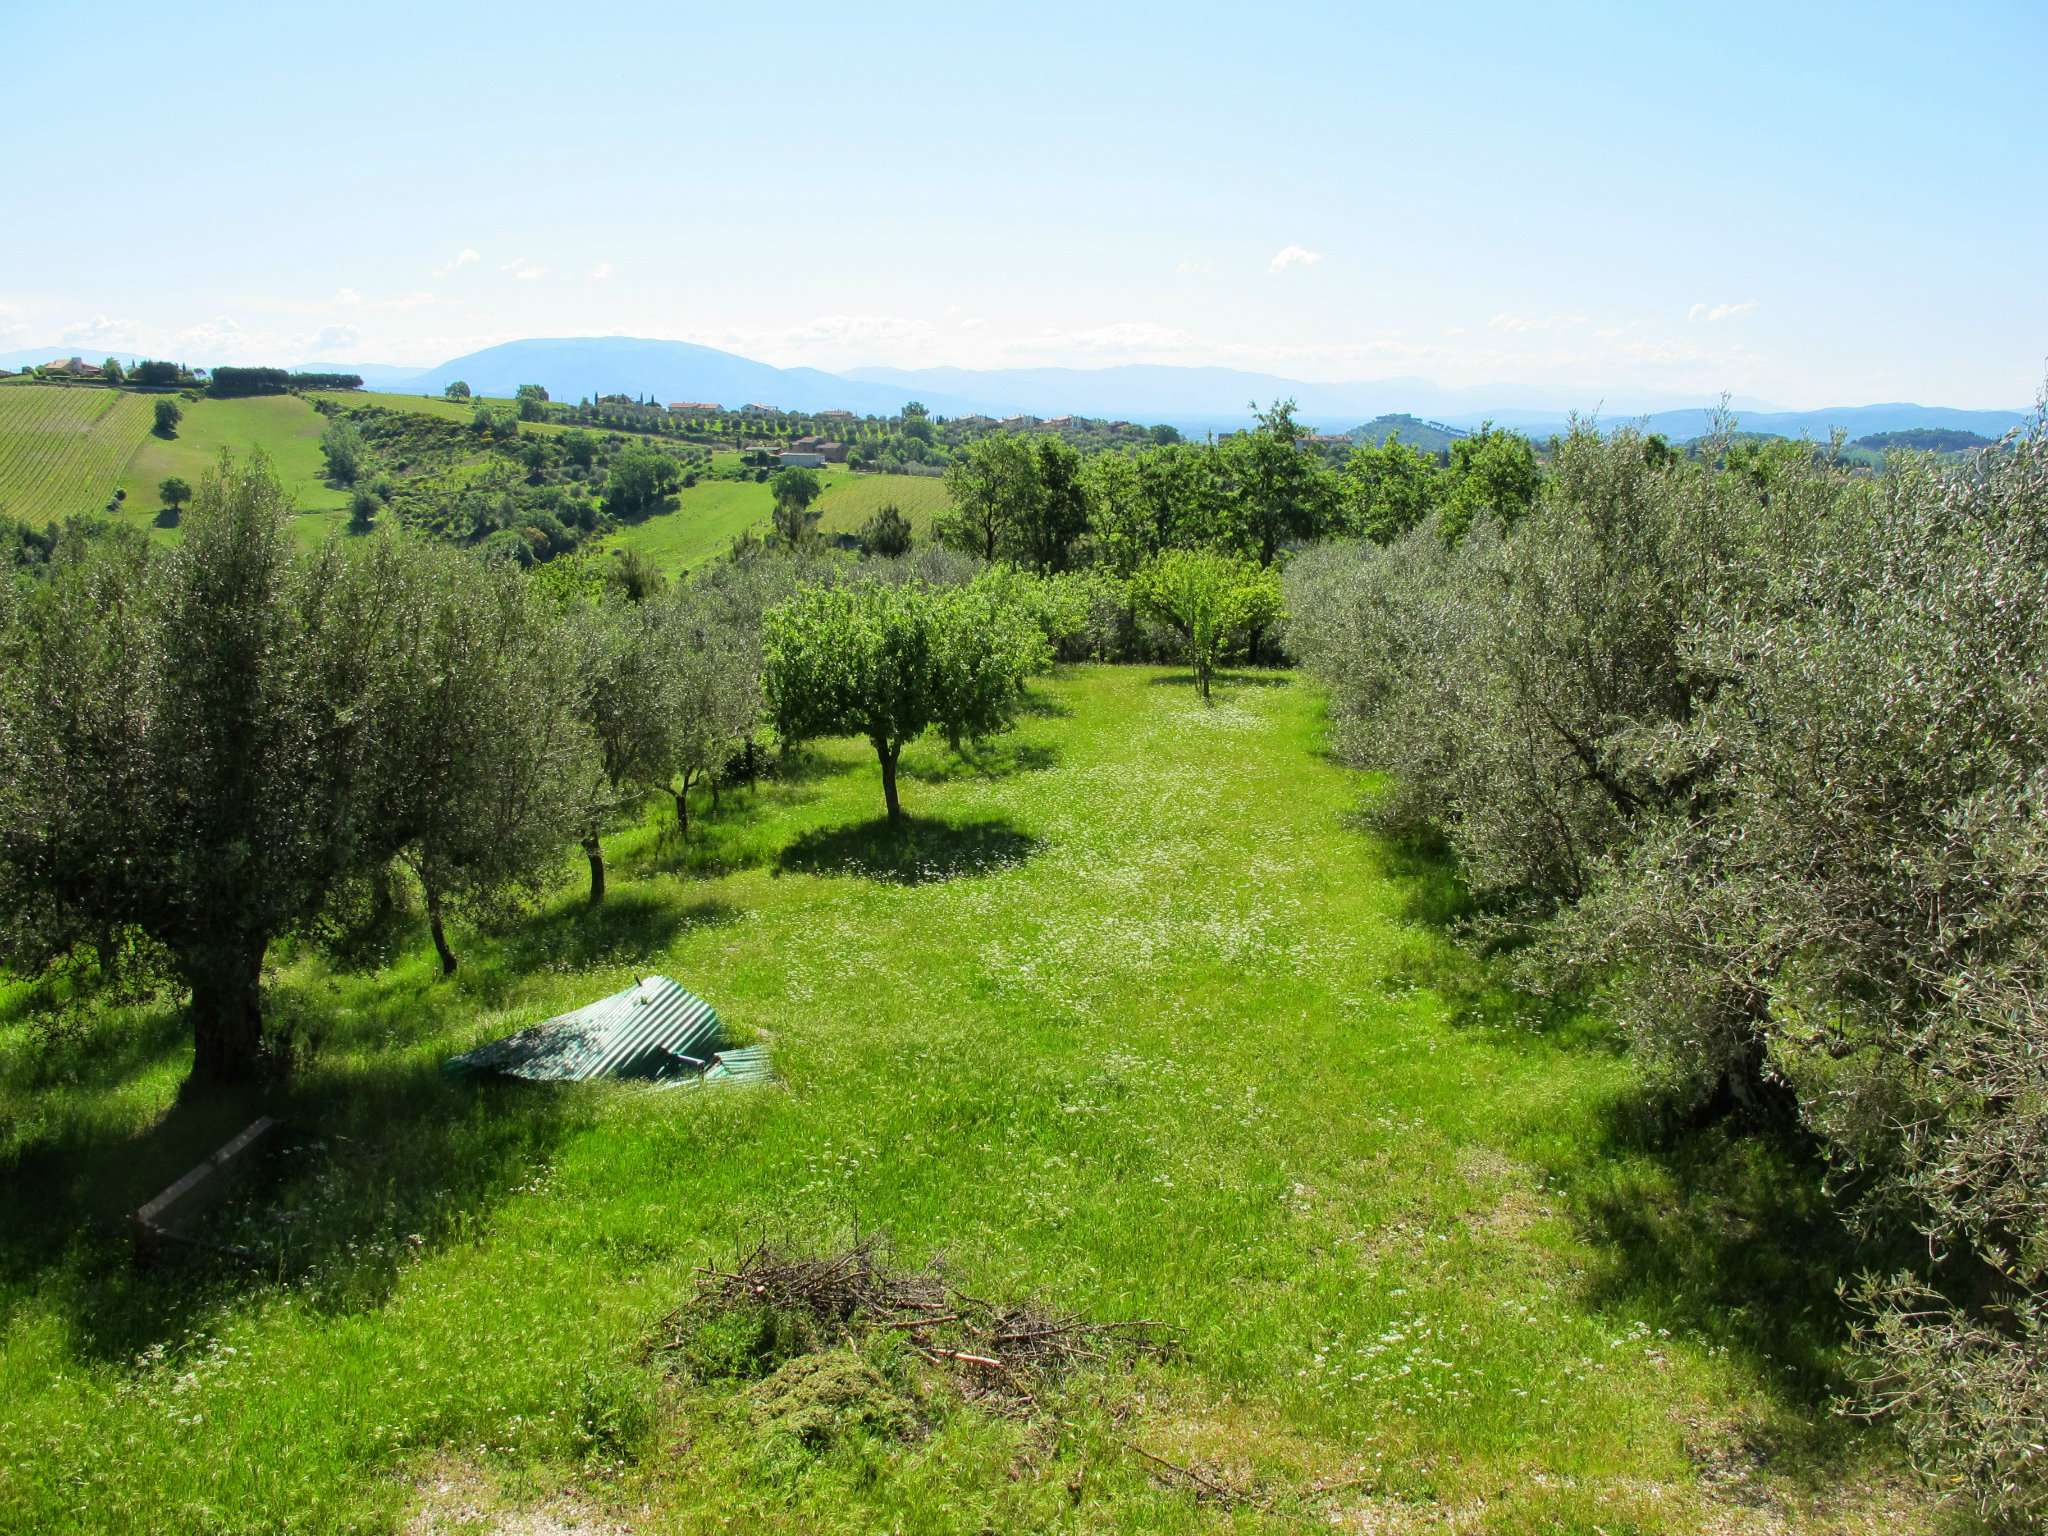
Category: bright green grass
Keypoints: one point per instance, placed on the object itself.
(708, 517)
(284, 427)
(851, 502)
(1132, 1019)
(62, 448)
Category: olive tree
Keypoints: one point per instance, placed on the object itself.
(1215, 603)
(616, 656)
(711, 692)
(184, 755)
(478, 747)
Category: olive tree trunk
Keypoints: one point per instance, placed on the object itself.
(227, 1013)
(440, 933)
(593, 850)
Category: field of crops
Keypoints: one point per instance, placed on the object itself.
(63, 447)
(849, 503)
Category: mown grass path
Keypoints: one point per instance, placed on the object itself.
(1131, 1020)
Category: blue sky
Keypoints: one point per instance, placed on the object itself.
(1803, 204)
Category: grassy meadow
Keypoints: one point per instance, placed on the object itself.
(712, 513)
(285, 427)
(1131, 1019)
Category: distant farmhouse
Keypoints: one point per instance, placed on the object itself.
(1020, 423)
(825, 448)
(758, 409)
(74, 368)
(696, 408)
(836, 416)
(790, 458)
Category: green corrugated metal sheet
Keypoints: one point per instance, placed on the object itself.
(653, 1031)
(744, 1064)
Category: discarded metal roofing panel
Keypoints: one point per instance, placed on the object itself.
(743, 1064)
(653, 1031)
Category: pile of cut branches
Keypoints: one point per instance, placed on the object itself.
(999, 1354)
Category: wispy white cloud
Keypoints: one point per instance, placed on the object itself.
(526, 271)
(335, 338)
(601, 271)
(1523, 324)
(1193, 269)
(466, 257)
(98, 331)
(1713, 312)
(1289, 256)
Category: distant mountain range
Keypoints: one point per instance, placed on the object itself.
(1194, 399)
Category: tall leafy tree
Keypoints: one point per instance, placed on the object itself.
(1493, 473)
(992, 486)
(617, 658)
(1277, 494)
(1050, 523)
(1389, 489)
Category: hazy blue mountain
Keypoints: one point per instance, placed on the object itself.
(573, 367)
(1196, 400)
(1209, 398)
(1855, 420)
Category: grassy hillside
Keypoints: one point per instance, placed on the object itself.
(284, 426)
(850, 502)
(707, 518)
(711, 514)
(1131, 1019)
(63, 449)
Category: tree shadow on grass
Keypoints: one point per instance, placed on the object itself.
(1238, 679)
(375, 1167)
(910, 852)
(1040, 705)
(1726, 1232)
(998, 758)
(631, 926)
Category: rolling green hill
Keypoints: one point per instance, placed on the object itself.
(285, 427)
(65, 451)
(710, 515)
(1429, 436)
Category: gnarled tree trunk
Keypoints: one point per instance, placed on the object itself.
(227, 1013)
(593, 850)
(440, 933)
